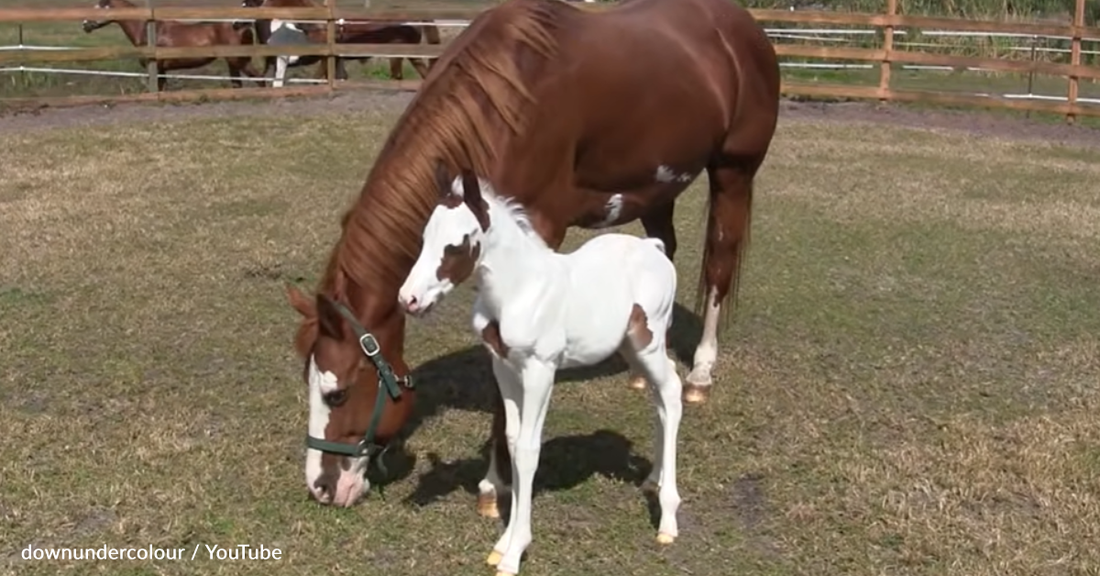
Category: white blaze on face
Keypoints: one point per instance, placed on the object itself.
(351, 483)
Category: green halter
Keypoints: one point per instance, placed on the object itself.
(388, 384)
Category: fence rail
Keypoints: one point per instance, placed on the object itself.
(883, 26)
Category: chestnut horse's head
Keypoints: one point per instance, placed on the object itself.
(357, 400)
(89, 25)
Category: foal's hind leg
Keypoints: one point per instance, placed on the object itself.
(658, 224)
(650, 353)
(727, 235)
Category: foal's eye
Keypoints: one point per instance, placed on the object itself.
(336, 397)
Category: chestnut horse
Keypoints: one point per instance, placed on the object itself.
(181, 34)
(591, 119)
(365, 32)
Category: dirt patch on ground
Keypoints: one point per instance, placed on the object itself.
(975, 121)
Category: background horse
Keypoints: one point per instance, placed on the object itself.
(181, 34)
(365, 32)
(560, 104)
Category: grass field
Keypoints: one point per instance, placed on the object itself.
(909, 387)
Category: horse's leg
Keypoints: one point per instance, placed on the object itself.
(397, 72)
(280, 71)
(657, 224)
(420, 66)
(161, 82)
(499, 478)
(538, 381)
(506, 421)
(652, 359)
(727, 234)
(234, 72)
(269, 64)
(248, 69)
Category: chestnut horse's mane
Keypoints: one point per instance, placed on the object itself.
(478, 86)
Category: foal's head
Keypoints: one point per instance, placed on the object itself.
(89, 25)
(452, 243)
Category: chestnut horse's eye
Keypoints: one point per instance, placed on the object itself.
(336, 397)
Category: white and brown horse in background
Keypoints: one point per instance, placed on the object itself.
(359, 32)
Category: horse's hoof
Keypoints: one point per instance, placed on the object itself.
(494, 558)
(637, 382)
(695, 394)
(665, 539)
(487, 506)
(650, 486)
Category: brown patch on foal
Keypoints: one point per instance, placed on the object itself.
(638, 328)
(491, 336)
(458, 261)
(451, 201)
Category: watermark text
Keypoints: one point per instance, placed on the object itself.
(198, 552)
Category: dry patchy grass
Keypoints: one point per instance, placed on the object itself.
(909, 387)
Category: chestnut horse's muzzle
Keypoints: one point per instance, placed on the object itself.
(89, 25)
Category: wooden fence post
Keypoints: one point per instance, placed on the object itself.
(888, 52)
(1031, 74)
(22, 64)
(330, 38)
(1075, 59)
(151, 41)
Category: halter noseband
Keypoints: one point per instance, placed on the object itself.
(387, 382)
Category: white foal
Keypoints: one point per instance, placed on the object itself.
(538, 311)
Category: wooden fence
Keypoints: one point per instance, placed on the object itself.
(884, 56)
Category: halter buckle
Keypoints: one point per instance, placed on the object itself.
(369, 345)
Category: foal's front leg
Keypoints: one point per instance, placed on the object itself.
(538, 380)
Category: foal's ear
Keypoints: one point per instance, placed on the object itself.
(471, 195)
(328, 317)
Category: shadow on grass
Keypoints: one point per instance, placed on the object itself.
(463, 380)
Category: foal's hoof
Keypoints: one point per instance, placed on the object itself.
(487, 505)
(695, 394)
(637, 382)
(665, 539)
(494, 558)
